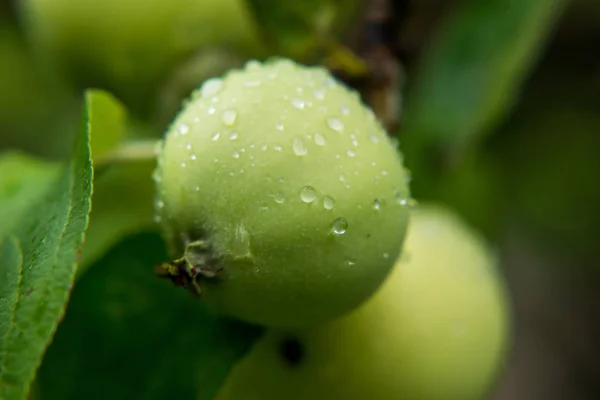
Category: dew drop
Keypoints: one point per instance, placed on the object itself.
(277, 147)
(374, 138)
(377, 204)
(335, 124)
(308, 194)
(216, 136)
(211, 87)
(384, 172)
(319, 139)
(319, 94)
(299, 147)
(192, 156)
(350, 262)
(329, 82)
(342, 178)
(233, 135)
(299, 104)
(197, 188)
(386, 255)
(350, 153)
(279, 126)
(182, 164)
(236, 154)
(400, 199)
(160, 204)
(156, 175)
(279, 197)
(339, 226)
(188, 146)
(328, 203)
(183, 129)
(228, 117)
(253, 65)
(344, 110)
(211, 110)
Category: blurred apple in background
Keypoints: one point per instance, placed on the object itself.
(437, 329)
(130, 46)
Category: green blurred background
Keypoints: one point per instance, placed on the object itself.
(496, 105)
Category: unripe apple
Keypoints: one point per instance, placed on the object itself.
(436, 330)
(129, 46)
(281, 195)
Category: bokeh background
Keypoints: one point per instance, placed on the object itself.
(496, 105)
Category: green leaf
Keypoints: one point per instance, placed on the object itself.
(130, 335)
(123, 188)
(106, 121)
(50, 234)
(10, 280)
(472, 72)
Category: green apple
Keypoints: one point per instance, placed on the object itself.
(281, 196)
(436, 330)
(128, 46)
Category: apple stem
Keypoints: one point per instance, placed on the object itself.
(128, 152)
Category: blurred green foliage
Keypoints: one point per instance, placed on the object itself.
(468, 78)
(501, 123)
(37, 110)
(128, 335)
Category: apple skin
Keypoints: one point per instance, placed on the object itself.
(438, 329)
(294, 186)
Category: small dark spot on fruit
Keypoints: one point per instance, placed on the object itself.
(368, 235)
(27, 293)
(292, 351)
